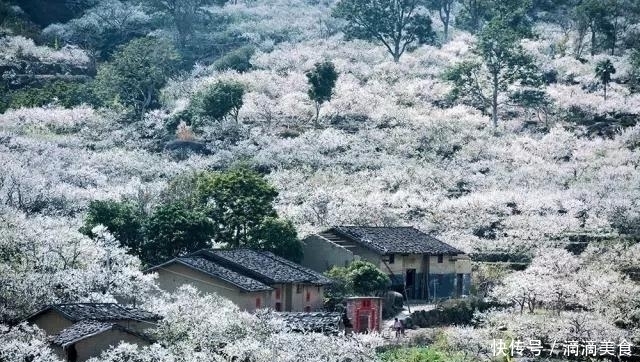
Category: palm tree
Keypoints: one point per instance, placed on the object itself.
(604, 70)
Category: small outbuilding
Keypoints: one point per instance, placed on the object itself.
(365, 314)
(87, 339)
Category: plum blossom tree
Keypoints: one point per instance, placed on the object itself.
(45, 260)
(23, 342)
(199, 327)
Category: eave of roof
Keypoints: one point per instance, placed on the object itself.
(59, 308)
(74, 333)
(221, 255)
(217, 276)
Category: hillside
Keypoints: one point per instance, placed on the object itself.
(547, 203)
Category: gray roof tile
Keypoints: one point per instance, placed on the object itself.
(216, 270)
(322, 322)
(398, 240)
(86, 329)
(99, 312)
(265, 266)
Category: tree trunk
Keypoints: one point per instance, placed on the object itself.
(446, 28)
(396, 51)
(315, 122)
(494, 101)
(605, 91)
(593, 39)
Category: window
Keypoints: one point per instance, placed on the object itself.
(440, 258)
(277, 293)
(258, 303)
(278, 307)
(298, 288)
(392, 258)
(308, 296)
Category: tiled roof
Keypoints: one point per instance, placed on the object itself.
(265, 266)
(322, 322)
(86, 329)
(99, 312)
(216, 270)
(390, 240)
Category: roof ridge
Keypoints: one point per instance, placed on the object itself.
(294, 265)
(216, 262)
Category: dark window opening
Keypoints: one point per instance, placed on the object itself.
(411, 277)
(307, 309)
(278, 307)
(440, 258)
(298, 288)
(392, 258)
(72, 354)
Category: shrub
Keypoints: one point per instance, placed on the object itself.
(219, 101)
(450, 312)
(63, 93)
(238, 59)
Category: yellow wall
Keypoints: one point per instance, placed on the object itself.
(463, 266)
(173, 276)
(320, 255)
(402, 262)
(93, 346)
(52, 322)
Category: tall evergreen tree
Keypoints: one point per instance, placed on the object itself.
(322, 79)
(604, 70)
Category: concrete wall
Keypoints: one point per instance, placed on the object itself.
(172, 277)
(93, 346)
(320, 255)
(52, 322)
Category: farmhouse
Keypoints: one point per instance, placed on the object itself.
(419, 265)
(80, 331)
(251, 279)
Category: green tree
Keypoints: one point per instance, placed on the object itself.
(220, 100)
(358, 278)
(592, 14)
(136, 73)
(322, 79)
(175, 229)
(394, 23)
(475, 14)
(185, 15)
(472, 14)
(238, 201)
(123, 219)
(606, 20)
(500, 62)
(533, 99)
(443, 7)
(634, 73)
(279, 237)
(238, 59)
(604, 70)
